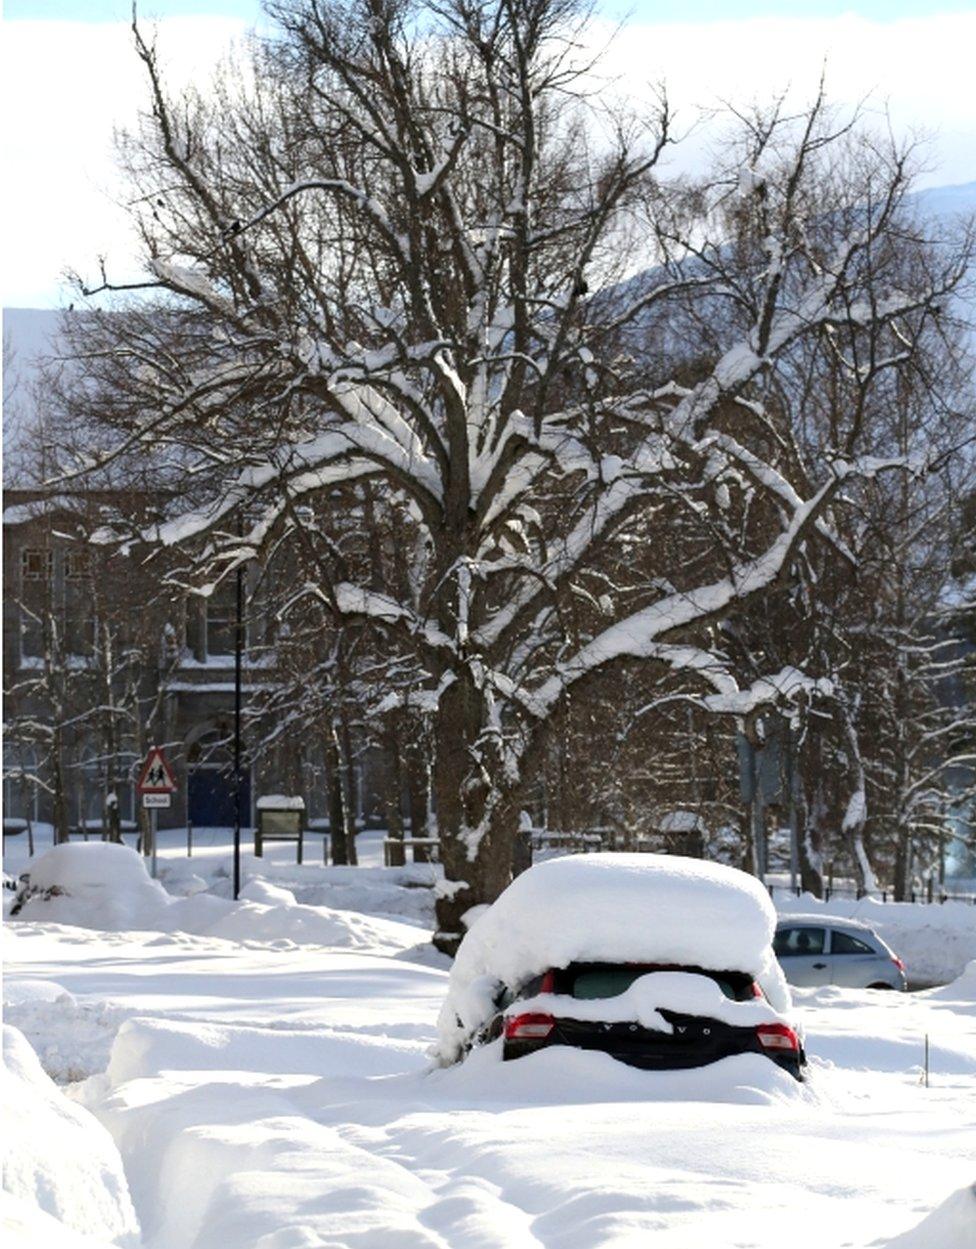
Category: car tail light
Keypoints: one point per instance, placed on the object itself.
(531, 1027)
(548, 983)
(897, 962)
(777, 1036)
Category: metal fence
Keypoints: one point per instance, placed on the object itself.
(932, 893)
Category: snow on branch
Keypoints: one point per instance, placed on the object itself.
(637, 636)
(354, 600)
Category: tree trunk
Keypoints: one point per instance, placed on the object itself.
(478, 880)
(475, 871)
(111, 815)
(393, 793)
(808, 848)
(347, 776)
(903, 863)
(418, 793)
(59, 813)
(337, 823)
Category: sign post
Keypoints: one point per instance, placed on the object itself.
(156, 785)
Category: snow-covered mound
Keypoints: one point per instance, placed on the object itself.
(934, 941)
(106, 886)
(402, 893)
(72, 1039)
(629, 908)
(951, 1225)
(95, 885)
(569, 1077)
(25, 1226)
(960, 993)
(57, 1156)
(963, 988)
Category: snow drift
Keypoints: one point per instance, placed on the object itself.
(959, 993)
(25, 1226)
(57, 1156)
(951, 1225)
(72, 1039)
(106, 886)
(565, 1077)
(615, 908)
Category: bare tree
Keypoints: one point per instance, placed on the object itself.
(391, 252)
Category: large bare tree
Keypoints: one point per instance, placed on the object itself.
(390, 249)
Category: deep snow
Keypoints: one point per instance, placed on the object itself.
(56, 1156)
(278, 1094)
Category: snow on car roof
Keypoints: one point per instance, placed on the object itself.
(610, 907)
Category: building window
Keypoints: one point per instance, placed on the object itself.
(79, 617)
(36, 568)
(75, 565)
(222, 619)
(20, 783)
(35, 564)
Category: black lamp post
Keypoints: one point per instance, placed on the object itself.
(238, 666)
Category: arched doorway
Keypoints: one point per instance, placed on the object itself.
(210, 781)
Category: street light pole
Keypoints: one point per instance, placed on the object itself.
(238, 665)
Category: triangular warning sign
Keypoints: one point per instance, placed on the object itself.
(156, 777)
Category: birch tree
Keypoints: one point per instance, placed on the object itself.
(390, 249)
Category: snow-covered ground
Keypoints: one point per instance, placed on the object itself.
(267, 1090)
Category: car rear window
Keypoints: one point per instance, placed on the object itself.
(843, 943)
(602, 980)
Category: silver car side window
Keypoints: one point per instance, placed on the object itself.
(799, 941)
(844, 943)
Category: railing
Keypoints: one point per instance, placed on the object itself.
(930, 894)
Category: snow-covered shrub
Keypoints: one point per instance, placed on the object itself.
(95, 884)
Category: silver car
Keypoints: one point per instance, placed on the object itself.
(814, 950)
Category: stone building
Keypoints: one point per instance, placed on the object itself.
(101, 658)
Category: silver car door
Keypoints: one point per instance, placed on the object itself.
(855, 964)
(801, 950)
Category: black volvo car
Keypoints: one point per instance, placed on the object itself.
(689, 1039)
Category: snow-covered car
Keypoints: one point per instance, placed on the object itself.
(815, 950)
(662, 962)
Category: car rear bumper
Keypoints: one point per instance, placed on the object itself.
(695, 1042)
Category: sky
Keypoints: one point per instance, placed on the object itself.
(68, 77)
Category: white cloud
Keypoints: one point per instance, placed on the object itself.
(66, 84)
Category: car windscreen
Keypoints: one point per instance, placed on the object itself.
(601, 980)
